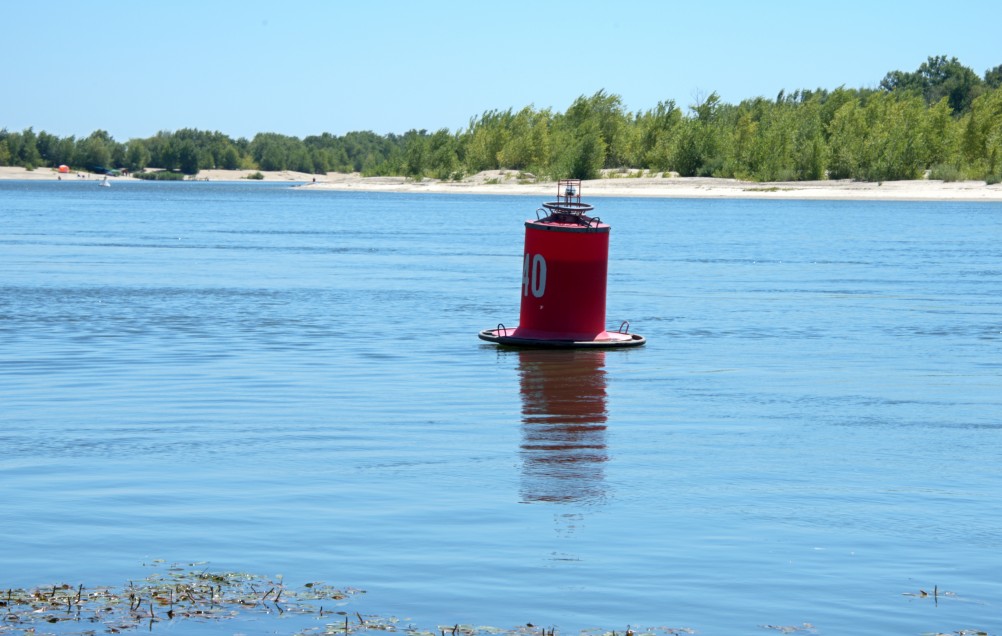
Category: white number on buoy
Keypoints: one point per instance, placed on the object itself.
(534, 277)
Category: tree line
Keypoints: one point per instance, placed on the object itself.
(942, 117)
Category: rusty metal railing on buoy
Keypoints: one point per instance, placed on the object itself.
(568, 208)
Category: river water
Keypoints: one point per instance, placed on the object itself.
(257, 378)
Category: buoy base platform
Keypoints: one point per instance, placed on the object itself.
(605, 340)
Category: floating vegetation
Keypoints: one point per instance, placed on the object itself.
(935, 595)
(793, 629)
(524, 630)
(629, 631)
(185, 593)
(179, 593)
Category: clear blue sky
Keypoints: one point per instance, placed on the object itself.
(307, 67)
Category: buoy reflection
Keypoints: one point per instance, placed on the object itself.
(563, 425)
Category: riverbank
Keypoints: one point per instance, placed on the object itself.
(614, 183)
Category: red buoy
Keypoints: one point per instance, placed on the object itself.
(564, 271)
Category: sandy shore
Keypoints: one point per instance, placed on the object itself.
(614, 184)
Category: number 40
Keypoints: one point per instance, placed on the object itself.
(534, 275)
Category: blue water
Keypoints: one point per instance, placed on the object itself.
(289, 382)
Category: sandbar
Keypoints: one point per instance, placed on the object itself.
(615, 183)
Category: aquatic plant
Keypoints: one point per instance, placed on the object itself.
(179, 593)
(176, 593)
(192, 592)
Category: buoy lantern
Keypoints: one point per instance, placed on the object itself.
(564, 271)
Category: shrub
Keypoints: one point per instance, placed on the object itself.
(160, 175)
(945, 172)
(255, 175)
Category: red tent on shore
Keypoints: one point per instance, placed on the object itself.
(64, 169)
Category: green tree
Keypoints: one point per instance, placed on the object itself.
(981, 139)
(941, 114)
(48, 149)
(94, 152)
(687, 156)
(485, 138)
(939, 135)
(161, 151)
(415, 153)
(847, 133)
(744, 158)
(936, 78)
(809, 150)
(298, 158)
(697, 149)
(271, 158)
(578, 150)
(364, 150)
(879, 141)
(187, 157)
(655, 134)
(607, 113)
(271, 151)
(443, 156)
(604, 113)
(137, 155)
(993, 78)
(65, 152)
(897, 150)
(525, 140)
(28, 155)
(230, 158)
(588, 153)
(328, 153)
